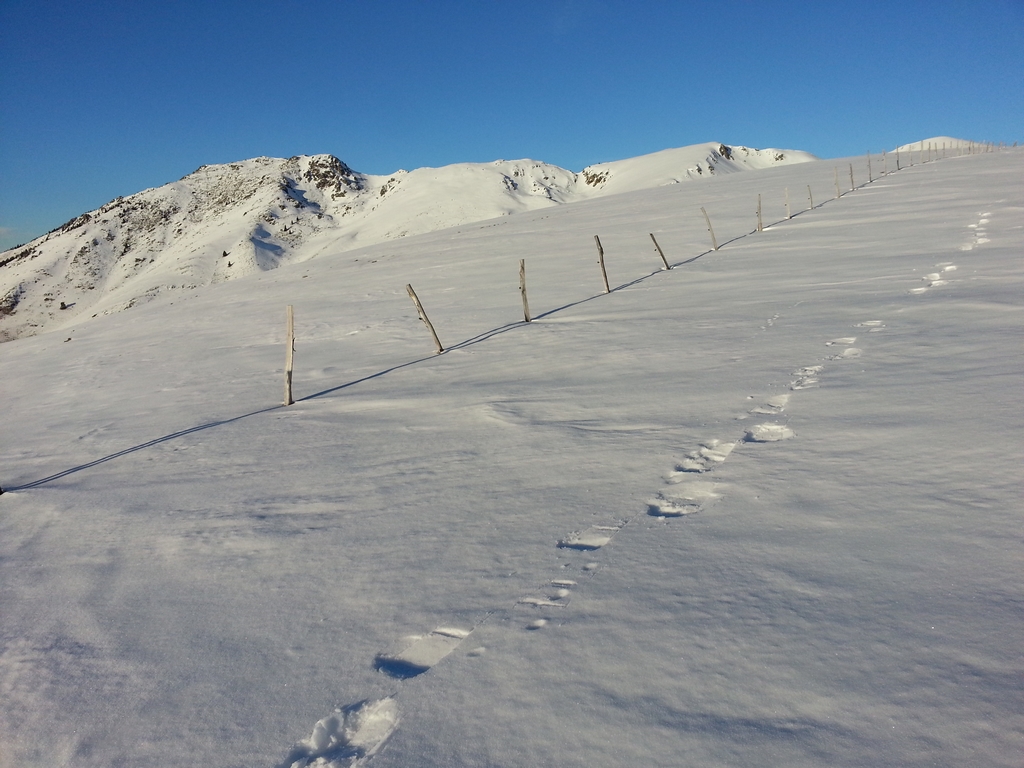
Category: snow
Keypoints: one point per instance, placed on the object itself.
(223, 222)
(559, 543)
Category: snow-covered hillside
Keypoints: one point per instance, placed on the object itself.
(761, 509)
(229, 221)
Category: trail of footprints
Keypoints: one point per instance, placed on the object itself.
(351, 735)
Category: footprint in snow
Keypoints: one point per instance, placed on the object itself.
(708, 456)
(772, 405)
(684, 499)
(807, 378)
(873, 326)
(594, 537)
(768, 433)
(846, 354)
(415, 654)
(556, 595)
(941, 277)
(348, 737)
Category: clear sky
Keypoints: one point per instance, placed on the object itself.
(100, 99)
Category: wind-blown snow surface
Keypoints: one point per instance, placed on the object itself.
(761, 509)
(228, 221)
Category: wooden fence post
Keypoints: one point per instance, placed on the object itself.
(760, 226)
(852, 185)
(600, 260)
(788, 214)
(522, 289)
(423, 317)
(869, 169)
(897, 158)
(885, 164)
(835, 174)
(810, 198)
(663, 259)
(714, 242)
(289, 360)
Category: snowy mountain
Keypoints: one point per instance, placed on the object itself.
(760, 509)
(227, 221)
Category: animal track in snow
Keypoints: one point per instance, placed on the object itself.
(415, 654)
(768, 433)
(594, 537)
(684, 499)
(709, 455)
(348, 737)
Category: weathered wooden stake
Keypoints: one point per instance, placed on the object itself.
(788, 214)
(898, 159)
(600, 260)
(424, 318)
(663, 259)
(714, 242)
(810, 198)
(835, 174)
(869, 169)
(760, 226)
(522, 289)
(289, 360)
(852, 185)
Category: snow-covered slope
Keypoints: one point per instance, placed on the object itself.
(762, 509)
(952, 147)
(232, 220)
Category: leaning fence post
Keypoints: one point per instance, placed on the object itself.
(852, 185)
(869, 168)
(522, 289)
(714, 242)
(289, 360)
(663, 259)
(600, 260)
(423, 317)
(760, 226)
(810, 198)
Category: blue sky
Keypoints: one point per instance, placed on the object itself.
(100, 99)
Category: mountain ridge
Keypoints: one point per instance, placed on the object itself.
(226, 221)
